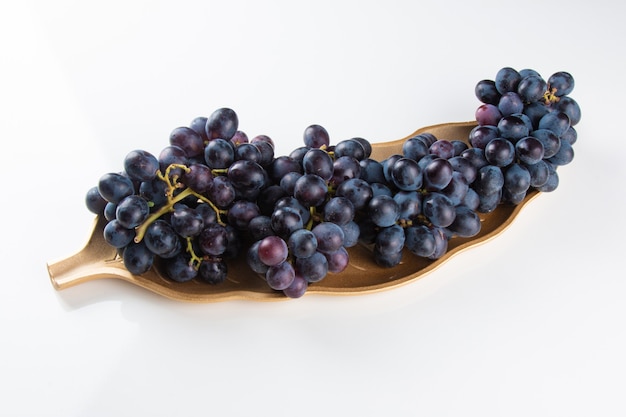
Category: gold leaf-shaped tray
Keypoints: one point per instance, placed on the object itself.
(98, 260)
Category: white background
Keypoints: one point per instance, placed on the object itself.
(529, 324)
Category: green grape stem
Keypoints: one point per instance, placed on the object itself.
(172, 185)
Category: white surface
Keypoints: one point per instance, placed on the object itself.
(531, 323)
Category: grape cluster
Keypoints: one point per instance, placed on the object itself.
(213, 194)
(525, 132)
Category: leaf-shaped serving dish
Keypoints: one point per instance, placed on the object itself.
(99, 260)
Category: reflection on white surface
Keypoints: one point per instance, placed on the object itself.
(502, 329)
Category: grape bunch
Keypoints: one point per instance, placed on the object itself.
(525, 132)
(214, 195)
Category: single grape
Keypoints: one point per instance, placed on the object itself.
(318, 162)
(406, 174)
(286, 220)
(312, 269)
(439, 209)
(138, 259)
(529, 150)
(95, 202)
(213, 271)
(420, 240)
(466, 222)
(345, 168)
(556, 121)
(220, 154)
(297, 288)
(329, 237)
(500, 152)
(510, 103)
(561, 83)
(383, 210)
(141, 165)
(280, 276)
(517, 179)
(507, 79)
(187, 222)
(487, 92)
(358, 191)
(114, 187)
(442, 148)
(241, 213)
(338, 261)
(272, 250)
(247, 175)
(409, 203)
(532, 88)
(437, 174)
(302, 243)
(132, 211)
(339, 210)
(350, 147)
(414, 148)
(513, 128)
(199, 178)
(480, 136)
(315, 136)
(490, 180)
(550, 141)
(222, 124)
(117, 235)
(351, 234)
(310, 190)
(161, 239)
(188, 140)
(390, 240)
(488, 114)
(179, 269)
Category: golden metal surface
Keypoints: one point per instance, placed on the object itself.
(98, 260)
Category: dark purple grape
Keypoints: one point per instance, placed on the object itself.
(510, 103)
(132, 211)
(95, 202)
(117, 235)
(406, 174)
(513, 128)
(358, 191)
(267, 152)
(282, 166)
(532, 88)
(466, 222)
(437, 174)
(420, 240)
(337, 261)
(310, 190)
(247, 175)
(213, 239)
(507, 79)
(263, 138)
(172, 155)
(339, 210)
(241, 212)
(114, 187)
(239, 138)
(297, 288)
(329, 237)
(272, 250)
(180, 269)
(285, 221)
(389, 240)
(371, 170)
(487, 92)
(219, 154)
(383, 210)
(556, 121)
(141, 165)
(213, 271)
(487, 114)
(414, 148)
(561, 83)
(187, 222)
(313, 269)
(260, 227)
(517, 179)
(439, 209)
(199, 178)
(350, 147)
(315, 136)
(345, 168)
(221, 192)
(161, 238)
(500, 152)
(302, 243)
(318, 162)
(222, 124)
(281, 276)
(138, 259)
(188, 140)
(198, 125)
(529, 150)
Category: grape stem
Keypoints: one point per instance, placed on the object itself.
(195, 260)
(550, 96)
(172, 185)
